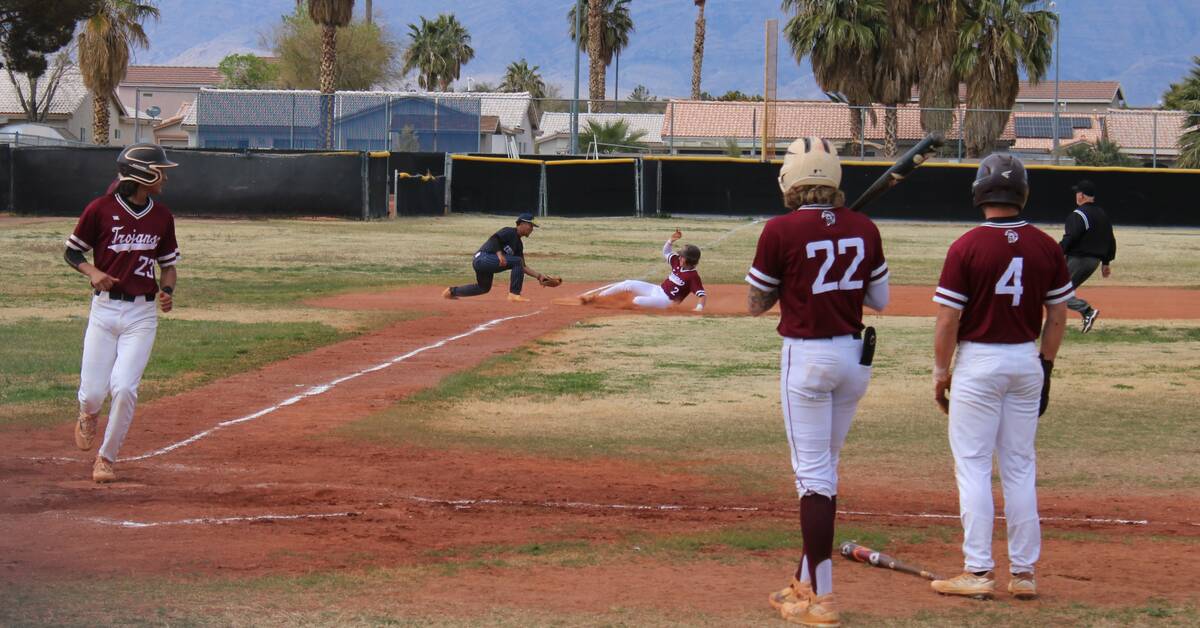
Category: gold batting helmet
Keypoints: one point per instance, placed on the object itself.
(810, 161)
(143, 163)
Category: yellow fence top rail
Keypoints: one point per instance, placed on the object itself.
(568, 162)
(502, 160)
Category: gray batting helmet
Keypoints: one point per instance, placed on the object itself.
(1001, 178)
(143, 163)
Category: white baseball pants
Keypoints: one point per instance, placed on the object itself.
(116, 347)
(821, 383)
(994, 399)
(648, 294)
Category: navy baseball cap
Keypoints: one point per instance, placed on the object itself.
(526, 217)
(1085, 187)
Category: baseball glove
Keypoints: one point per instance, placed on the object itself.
(1047, 368)
(550, 282)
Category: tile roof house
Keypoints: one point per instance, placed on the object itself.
(1034, 130)
(556, 129)
(174, 131)
(696, 126)
(159, 91)
(1073, 96)
(1147, 133)
(70, 110)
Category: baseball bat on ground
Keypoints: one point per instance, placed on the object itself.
(861, 554)
(904, 166)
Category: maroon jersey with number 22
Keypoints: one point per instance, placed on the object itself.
(999, 274)
(821, 260)
(127, 242)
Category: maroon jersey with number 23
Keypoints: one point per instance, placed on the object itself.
(821, 260)
(999, 274)
(127, 242)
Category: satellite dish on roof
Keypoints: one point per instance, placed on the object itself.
(153, 111)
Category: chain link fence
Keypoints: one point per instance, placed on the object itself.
(516, 124)
(293, 120)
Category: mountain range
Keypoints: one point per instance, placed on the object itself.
(1144, 44)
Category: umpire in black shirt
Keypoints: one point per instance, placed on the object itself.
(501, 252)
(1088, 242)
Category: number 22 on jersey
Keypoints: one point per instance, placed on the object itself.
(820, 285)
(1010, 281)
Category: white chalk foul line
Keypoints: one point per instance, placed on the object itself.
(216, 520)
(467, 503)
(326, 387)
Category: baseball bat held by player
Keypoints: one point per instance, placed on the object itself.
(903, 167)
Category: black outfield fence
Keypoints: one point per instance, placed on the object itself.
(495, 185)
(60, 181)
(592, 187)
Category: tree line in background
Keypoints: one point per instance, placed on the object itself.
(862, 52)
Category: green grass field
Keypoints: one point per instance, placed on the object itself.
(1122, 419)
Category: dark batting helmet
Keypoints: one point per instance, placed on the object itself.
(691, 254)
(143, 163)
(1001, 179)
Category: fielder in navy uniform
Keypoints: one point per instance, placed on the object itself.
(502, 252)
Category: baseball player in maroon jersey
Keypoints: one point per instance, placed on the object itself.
(821, 262)
(996, 281)
(128, 232)
(683, 280)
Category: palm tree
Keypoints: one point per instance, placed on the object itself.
(519, 77)
(937, 21)
(106, 42)
(1185, 96)
(997, 39)
(611, 137)
(612, 20)
(842, 39)
(895, 67)
(438, 49)
(697, 49)
(330, 15)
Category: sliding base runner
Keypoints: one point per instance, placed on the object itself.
(128, 233)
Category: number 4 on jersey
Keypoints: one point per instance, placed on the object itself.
(1010, 282)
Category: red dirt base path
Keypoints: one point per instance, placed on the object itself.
(278, 493)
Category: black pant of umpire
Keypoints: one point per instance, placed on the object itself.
(1080, 268)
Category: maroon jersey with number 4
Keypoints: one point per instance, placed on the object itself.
(682, 281)
(999, 275)
(127, 242)
(821, 260)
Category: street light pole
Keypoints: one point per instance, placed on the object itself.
(1057, 40)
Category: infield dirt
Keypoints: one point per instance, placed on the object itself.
(397, 505)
